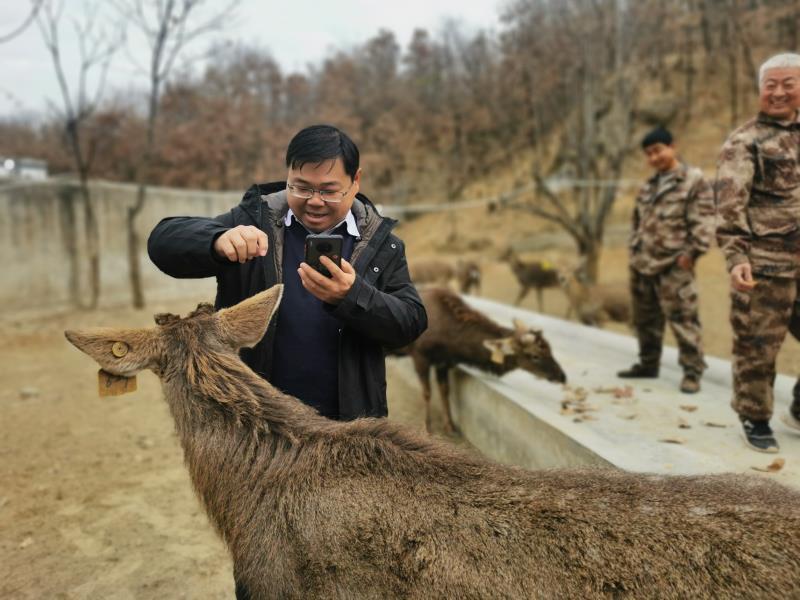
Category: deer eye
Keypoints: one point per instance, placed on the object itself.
(119, 349)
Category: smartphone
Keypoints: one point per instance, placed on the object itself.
(323, 244)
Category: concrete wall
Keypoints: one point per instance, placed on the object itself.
(39, 221)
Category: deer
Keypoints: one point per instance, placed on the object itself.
(457, 333)
(370, 508)
(434, 271)
(537, 275)
(595, 304)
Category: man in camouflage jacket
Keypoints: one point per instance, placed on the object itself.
(758, 198)
(673, 225)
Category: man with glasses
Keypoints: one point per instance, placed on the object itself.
(326, 346)
(758, 200)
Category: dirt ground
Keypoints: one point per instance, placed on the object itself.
(94, 499)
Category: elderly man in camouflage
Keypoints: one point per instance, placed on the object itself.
(673, 225)
(758, 199)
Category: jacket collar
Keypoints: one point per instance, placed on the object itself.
(677, 175)
(782, 123)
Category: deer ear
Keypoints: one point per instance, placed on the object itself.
(246, 323)
(519, 326)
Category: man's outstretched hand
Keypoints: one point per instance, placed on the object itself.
(242, 243)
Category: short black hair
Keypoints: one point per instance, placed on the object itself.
(318, 143)
(659, 135)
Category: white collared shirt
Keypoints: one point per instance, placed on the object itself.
(349, 220)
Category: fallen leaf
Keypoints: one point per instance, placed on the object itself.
(683, 424)
(773, 467)
(629, 417)
(673, 440)
(712, 424)
(688, 407)
(626, 392)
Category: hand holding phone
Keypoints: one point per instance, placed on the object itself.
(323, 244)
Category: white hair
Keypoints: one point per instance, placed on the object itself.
(787, 60)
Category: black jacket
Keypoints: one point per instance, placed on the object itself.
(381, 310)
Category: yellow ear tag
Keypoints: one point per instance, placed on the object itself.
(547, 265)
(498, 356)
(114, 385)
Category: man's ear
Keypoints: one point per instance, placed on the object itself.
(246, 323)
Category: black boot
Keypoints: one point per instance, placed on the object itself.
(690, 383)
(639, 371)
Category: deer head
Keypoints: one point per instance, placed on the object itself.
(125, 352)
(528, 350)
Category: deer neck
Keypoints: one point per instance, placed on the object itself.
(234, 427)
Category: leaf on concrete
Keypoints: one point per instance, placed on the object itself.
(773, 467)
(688, 407)
(629, 417)
(713, 424)
(625, 392)
(683, 424)
(673, 440)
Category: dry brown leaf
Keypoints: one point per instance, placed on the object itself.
(713, 424)
(773, 467)
(625, 392)
(673, 440)
(683, 424)
(629, 417)
(688, 407)
(604, 390)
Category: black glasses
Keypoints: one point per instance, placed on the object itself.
(306, 193)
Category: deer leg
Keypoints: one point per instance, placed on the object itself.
(444, 392)
(522, 293)
(423, 367)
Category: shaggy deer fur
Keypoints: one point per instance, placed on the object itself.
(312, 508)
(536, 275)
(459, 334)
(594, 304)
(438, 272)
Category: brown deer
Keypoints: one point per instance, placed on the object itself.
(594, 304)
(468, 274)
(536, 274)
(459, 334)
(312, 508)
(434, 271)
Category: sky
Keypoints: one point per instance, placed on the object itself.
(296, 32)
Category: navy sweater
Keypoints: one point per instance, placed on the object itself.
(306, 358)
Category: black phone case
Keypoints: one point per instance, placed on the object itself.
(321, 244)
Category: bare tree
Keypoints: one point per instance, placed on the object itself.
(96, 49)
(168, 26)
(576, 187)
(36, 5)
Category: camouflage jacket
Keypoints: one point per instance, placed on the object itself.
(758, 197)
(674, 215)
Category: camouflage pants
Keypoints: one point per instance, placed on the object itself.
(760, 319)
(669, 296)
